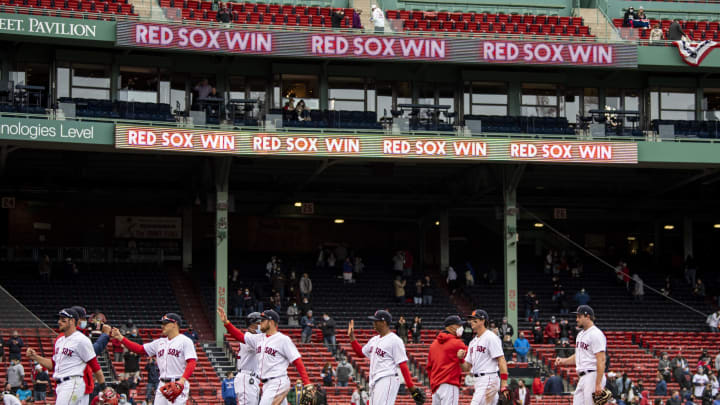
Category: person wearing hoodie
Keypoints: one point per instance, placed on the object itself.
(446, 354)
(522, 347)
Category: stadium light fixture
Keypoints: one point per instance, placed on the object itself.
(669, 227)
(630, 238)
(538, 225)
(437, 223)
(298, 204)
(716, 226)
(339, 221)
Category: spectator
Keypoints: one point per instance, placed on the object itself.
(656, 34)
(327, 374)
(538, 386)
(337, 17)
(360, 396)
(676, 33)
(343, 372)
(582, 297)
(552, 331)
(132, 366)
(565, 349)
(625, 275)
(378, 18)
(15, 345)
(678, 364)
(23, 394)
(704, 362)
(427, 291)
(307, 323)
(223, 16)
(699, 290)
(347, 271)
(228, 389)
(553, 385)
(505, 328)
(9, 399)
(529, 300)
(639, 288)
(292, 312)
(276, 302)
(237, 303)
(399, 285)
(537, 331)
(15, 375)
(507, 347)
(561, 301)
(660, 386)
(305, 286)
(356, 22)
(699, 381)
(203, 89)
(418, 296)
(713, 320)
(714, 385)
(248, 302)
(536, 310)
(359, 265)
(407, 264)
(45, 268)
(153, 379)
(565, 331)
(327, 326)
(402, 329)
(641, 20)
(629, 17)
(674, 399)
(416, 329)
(305, 306)
(303, 113)
(192, 334)
(398, 261)
(40, 386)
(522, 347)
(612, 385)
(664, 367)
(521, 395)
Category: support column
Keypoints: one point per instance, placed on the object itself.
(510, 236)
(187, 238)
(514, 98)
(324, 88)
(222, 178)
(444, 241)
(657, 241)
(114, 76)
(687, 236)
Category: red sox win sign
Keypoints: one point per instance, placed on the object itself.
(373, 146)
(379, 47)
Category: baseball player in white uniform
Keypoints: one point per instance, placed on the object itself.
(386, 352)
(175, 354)
(247, 382)
(485, 359)
(9, 399)
(73, 352)
(589, 357)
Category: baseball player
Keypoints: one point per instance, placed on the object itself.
(8, 398)
(589, 357)
(386, 352)
(446, 354)
(247, 382)
(484, 359)
(274, 351)
(176, 359)
(106, 397)
(73, 353)
(98, 347)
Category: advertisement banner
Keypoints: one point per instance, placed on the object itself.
(401, 47)
(37, 130)
(375, 146)
(56, 27)
(127, 227)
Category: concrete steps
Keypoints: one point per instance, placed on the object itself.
(599, 25)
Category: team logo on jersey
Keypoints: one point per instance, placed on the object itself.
(380, 352)
(268, 350)
(582, 345)
(65, 351)
(479, 349)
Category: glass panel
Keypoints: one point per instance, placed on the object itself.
(91, 81)
(63, 82)
(346, 93)
(570, 105)
(301, 88)
(488, 98)
(632, 103)
(537, 111)
(383, 91)
(447, 97)
(371, 100)
(711, 104)
(677, 104)
(480, 109)
(654, 105)
(591, 101)
(678, 115)
(539, 100)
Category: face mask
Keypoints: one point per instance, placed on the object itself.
(459, 331)
(326, 317)
(258, 329)
(83, 324)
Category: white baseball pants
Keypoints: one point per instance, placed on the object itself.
(180, 400)
(247, 389)
(71, 392)
(486, 390)
(446, 394)
(384, 391)
(585, 388)
(277, 387)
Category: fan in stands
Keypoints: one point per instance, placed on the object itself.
(247, 382)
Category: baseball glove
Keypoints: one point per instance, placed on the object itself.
(602, 398)
(504, 397)
(108, 396)
(171, 391)
(308, 395)
(418, 395)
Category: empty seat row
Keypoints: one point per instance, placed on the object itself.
(109, 7)
(519, 29)
(483, 17)
(701, 129)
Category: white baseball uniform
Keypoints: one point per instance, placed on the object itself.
(483, 353)
(172, 356)
(699, 381)
(247, 381)
(588, 343)
(10, 399)
(446, 394)
(71, 355)
(275, 352)
(385, 354)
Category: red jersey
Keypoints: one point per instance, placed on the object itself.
(443, 363)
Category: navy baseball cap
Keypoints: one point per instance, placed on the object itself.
(68, 313)
(253, 317)
(381, 315)
(270, 315)
(453, 320)
(80, 310)
(171, 318)
(479, 314)
(584, 310)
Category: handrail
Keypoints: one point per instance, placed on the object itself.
(346, 131)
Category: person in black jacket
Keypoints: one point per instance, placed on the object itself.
(327, 326)
(629, 16)
(337, 17)
(223, 15)
(675, 32)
